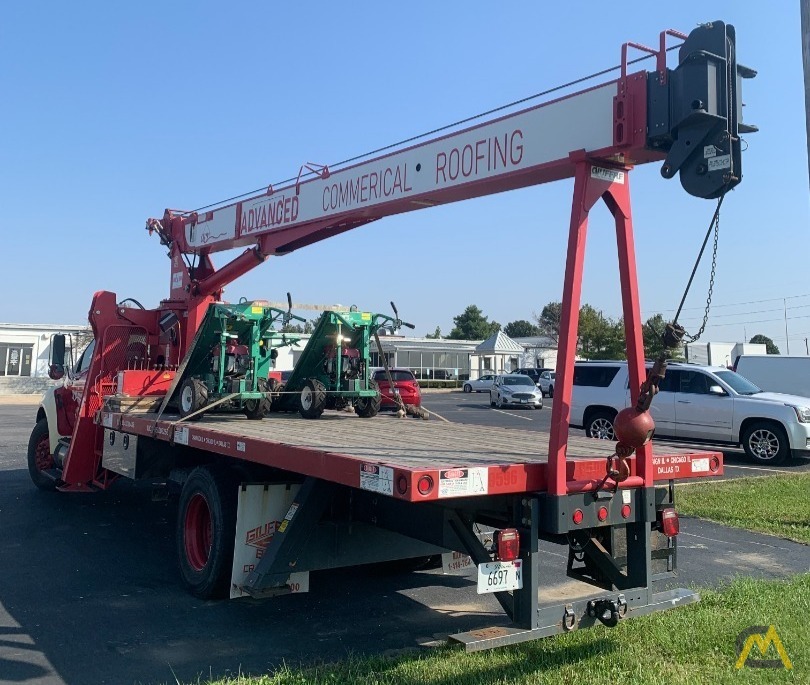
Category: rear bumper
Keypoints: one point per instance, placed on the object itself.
(510, 402)
(388, 401)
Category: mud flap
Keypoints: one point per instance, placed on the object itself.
(260, 513)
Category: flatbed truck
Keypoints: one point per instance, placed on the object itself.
(264, 503)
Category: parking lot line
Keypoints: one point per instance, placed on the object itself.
(753, 468)
(525, 418)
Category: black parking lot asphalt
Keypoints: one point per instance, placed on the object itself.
(89, 592)
(474, 408)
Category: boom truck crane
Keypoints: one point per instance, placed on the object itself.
(263, 503)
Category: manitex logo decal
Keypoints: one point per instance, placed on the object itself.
(763, 637)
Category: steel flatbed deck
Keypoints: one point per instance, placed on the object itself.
(406, 459)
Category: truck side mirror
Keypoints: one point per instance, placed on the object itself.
(56, 358)
(716, 390)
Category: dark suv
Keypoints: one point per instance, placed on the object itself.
(532, 373)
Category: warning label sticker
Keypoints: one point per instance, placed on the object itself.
(181, 436)
(700, 465)
(611, 175)
(719, 162)
(463, 482)
(377, 478)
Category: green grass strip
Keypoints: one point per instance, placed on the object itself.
(693, 644)
(779, 505)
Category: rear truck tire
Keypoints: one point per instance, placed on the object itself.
(312, 400)
(600, 425)
(366, 407)
(551, 391)
(206, 525)
(40, 458)
(491, 401)
(766, 442)
(193, 397)
(467, 387)
(256, 410)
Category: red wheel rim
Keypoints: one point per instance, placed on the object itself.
(198, 532)
(42, 454)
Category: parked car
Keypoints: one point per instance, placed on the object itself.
(405, 385)
(482, 384)
(697, 404)
(546, 381)
(515, 390)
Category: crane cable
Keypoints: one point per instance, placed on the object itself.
(434, 131)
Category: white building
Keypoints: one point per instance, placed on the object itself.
(24, 353)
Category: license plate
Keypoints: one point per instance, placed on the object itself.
(524, 401)
(497, 576)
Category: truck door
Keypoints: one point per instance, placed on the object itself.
(662, 408)
(699, 413)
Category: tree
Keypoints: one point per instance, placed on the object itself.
(436, 335)
(471, 324)
(548, 321)
(770, 345)
(600, 337)
(652, 332)
(520, 329)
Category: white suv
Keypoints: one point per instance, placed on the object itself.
(698, 404)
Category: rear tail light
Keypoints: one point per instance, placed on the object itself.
(668, 521)
(508, 544)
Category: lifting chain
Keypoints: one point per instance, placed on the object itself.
(674, 333)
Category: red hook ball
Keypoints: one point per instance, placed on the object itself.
(634, 428)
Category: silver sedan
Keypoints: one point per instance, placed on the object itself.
(514, 390)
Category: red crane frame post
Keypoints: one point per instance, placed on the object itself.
(594, 183)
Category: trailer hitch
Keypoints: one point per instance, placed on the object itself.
(608, 611)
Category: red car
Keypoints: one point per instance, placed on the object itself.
(405, 385)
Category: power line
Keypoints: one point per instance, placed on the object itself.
(735, 304)
(456, 124)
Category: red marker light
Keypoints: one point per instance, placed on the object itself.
(626, 511)
(424, 485)
(602, 514)
(578, 516)
(668, 518)
(508, 544)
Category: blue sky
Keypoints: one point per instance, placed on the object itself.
(115, 111)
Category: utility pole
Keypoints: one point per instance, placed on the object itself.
(805, 13)
(787, 338)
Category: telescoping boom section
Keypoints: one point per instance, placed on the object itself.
(168, 394)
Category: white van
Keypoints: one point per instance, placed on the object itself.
(776, 373)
